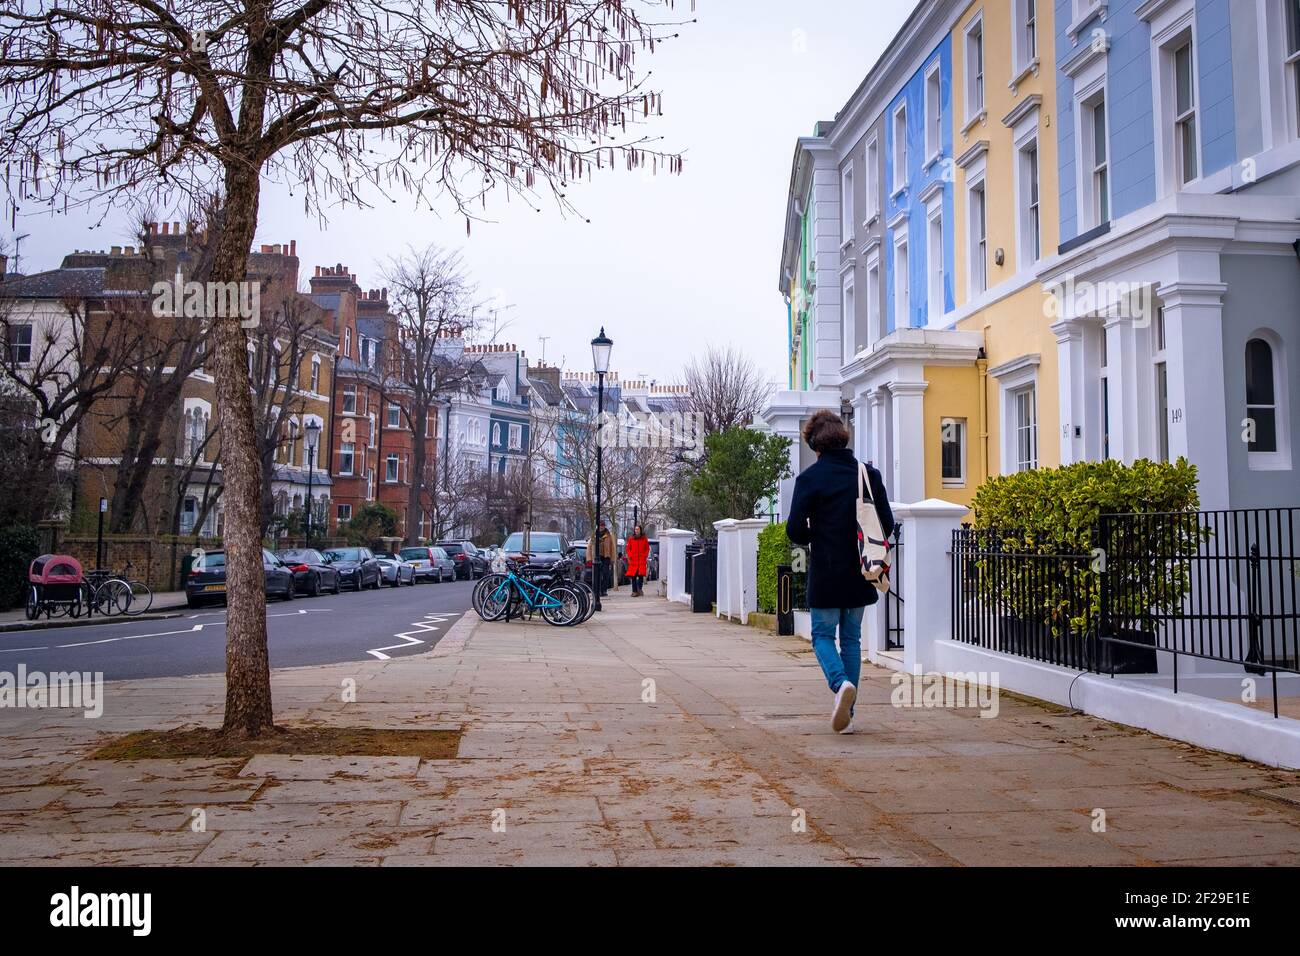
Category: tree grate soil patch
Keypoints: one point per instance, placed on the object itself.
(314, 741)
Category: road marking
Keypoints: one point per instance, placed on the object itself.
(430, 623)
(135, 637)
(289, 614)
(13, 650)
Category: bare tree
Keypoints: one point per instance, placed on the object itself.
(334, 98)
(726, 389)
(55, 366)
(453, 492)
(430, 294)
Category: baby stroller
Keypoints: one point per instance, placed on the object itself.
(55, 587)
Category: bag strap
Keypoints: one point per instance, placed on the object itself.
(864, 486)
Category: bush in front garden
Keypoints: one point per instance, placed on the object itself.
(774, 549)
(1057, 511)
(19, 545)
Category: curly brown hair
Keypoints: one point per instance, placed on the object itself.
(825, 431)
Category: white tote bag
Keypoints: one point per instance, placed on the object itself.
(873, 546)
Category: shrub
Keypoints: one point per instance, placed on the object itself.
(1057, 512)
(775, 548)
(19, 544)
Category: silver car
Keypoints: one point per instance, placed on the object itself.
(394, 570)
(430, 563)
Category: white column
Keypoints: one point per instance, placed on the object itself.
(727, 561)
(1071, 389)
(927, 575)
(1198, 420)
(908, 466)
(877, 451)
(672, 562)
(746, 535)
(1126, 413)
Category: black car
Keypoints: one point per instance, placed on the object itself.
(206, 582)
(356, 567)
(470, 561)
(312, 574)
(652, 561)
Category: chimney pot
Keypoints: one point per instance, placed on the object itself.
(164, 228)
(293, 247)
(117, 250)
(176, 228)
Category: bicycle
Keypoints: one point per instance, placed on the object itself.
(106, 593)
(559, 606)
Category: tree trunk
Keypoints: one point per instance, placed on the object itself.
(414, 506)
(248, 674)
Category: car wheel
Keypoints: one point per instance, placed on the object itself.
(337, 586)
(288, 591)
(315, 586)
(193, 603)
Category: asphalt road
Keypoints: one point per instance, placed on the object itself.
(365, 625)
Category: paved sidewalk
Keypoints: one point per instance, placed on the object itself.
(559, 746)
(164, 604)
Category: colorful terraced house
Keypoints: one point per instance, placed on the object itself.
(1040, 233)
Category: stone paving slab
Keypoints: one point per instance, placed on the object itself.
(564, 762)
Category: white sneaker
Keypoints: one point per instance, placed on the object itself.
(842, 714)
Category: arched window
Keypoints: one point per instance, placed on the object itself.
(1261, 396)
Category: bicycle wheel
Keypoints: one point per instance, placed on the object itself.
(496, 601)
(484, 587)
(141, 597)
(33, 609)
(589, 596)
(113, 597)
(569, 609)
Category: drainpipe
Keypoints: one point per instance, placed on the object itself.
(982, 366)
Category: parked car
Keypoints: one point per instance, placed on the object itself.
(312, 574)
(652, 561)
(579, 549)
(470, 561)
(544, 548)
(395, 570)
(431, 563)
(206, 582)
(357, 567)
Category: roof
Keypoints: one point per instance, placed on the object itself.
(546, 393)
(77, 283)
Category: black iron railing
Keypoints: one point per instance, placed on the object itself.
(894, 596)
(1219, 585)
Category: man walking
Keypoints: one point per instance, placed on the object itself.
(602, 551)
(823, 515)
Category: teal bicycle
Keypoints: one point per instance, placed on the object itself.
(508, 595)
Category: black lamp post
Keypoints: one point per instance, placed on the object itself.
(313, 437)
(601, 346)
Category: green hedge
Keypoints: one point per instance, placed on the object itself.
(1057, 511)
(774, 549)
(18, 546)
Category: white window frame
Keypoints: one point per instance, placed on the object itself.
(873, 181)
(932, 113)
(1025, 37)
(1291, 66)
(1029, 184)
(848, 315)
(902, 280)
(1172, 24)
(352, 394)
(1159, 370)
(846, 205)
(961, 433)
(515, 437)
(898, 121)
(935, 277)
(1030, 394)
(347, 341)
(1014, 378)
(315, 374)
(392, 471)
(875, 314)
(976, 70)
(1280, 459)
(344, 513)
(347, 458)
(394, 419)
(977, 265)
(13, 347)
(1091, 86)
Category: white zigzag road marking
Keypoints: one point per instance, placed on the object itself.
(431, 622)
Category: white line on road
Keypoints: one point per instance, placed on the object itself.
(430, 623)
(11, 650)
(134, 637)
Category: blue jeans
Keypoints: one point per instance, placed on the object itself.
(846, 662)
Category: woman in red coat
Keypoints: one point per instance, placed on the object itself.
(638, 550)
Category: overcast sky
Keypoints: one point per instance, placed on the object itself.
(668, 264)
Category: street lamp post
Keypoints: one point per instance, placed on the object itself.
(601, 346)
(313, 437)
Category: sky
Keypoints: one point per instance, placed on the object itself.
(668, 264)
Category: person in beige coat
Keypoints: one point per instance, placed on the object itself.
(602, 558)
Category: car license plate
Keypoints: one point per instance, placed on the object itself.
(215, 587)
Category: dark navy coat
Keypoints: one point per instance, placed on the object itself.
(823, 514)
